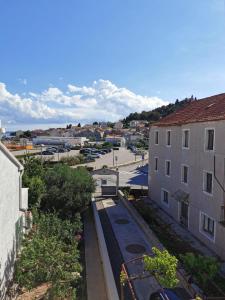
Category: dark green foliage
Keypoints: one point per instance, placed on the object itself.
(33, 167)
(50, 255)
(68, 190)
(69, 126)
(203, 268)
(107, 145)
(159, 112)
(73, 160)
(33, 179)
(36, 187)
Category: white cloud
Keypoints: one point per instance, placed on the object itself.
(103, 100)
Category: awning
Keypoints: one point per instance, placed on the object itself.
(181, 196)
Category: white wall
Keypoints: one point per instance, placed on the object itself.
(198, 160)
(9, 216)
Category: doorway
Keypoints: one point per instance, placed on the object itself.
(184, 213)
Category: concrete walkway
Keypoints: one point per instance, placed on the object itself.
(96, 289)
(180, 230)
(129, 234)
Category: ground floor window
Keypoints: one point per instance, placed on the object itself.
(207, 225)
(165, 197)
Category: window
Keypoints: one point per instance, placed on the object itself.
(156, 137)
(104, 181)
(208, 182)
(168, 138)
(165, 197)
(186, 138)
(156, 163)
(207, 226)
(210, 139)
(168, 167)
(184, 178)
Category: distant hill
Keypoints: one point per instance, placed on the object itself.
(157, 113)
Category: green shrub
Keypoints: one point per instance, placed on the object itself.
(164, 267)
(68, 190)
(73, 160)
(50, 254)
(203, 268)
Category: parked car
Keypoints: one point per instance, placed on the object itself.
(85, 150)
(170, 294)
(94, 155)
(89, 159)
(116, 148)
(102, 152)
(46, 152)
(75, 147)
(105, 150)
(61, 150)
(51, 149)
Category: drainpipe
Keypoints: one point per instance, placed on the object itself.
(220, 185)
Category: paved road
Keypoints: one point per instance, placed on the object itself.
(121, 156)
(134, 175)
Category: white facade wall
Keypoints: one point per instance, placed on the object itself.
(10, 217)
(198, 160)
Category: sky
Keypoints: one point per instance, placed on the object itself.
(70, 61)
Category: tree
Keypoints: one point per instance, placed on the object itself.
(51, 256)
(95, 123)
(33, 179)
(79, 125)
(33, 166)
(69, 126)
(164, 267)
(203, 268)
(68, 190)
(36, 187)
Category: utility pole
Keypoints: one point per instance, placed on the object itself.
(113, 158)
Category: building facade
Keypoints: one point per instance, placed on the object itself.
(13, 206)
(187, 169)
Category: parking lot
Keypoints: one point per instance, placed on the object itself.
(114, 158)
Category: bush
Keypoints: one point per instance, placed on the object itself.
(68, 190)
(51, 256)
(163, 266)
(73, 160)
(203, 268)
(33, 179)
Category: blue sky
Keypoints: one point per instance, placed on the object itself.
(135, 54)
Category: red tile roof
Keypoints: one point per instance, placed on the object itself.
(203, 110)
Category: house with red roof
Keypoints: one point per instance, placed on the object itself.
(187, 168)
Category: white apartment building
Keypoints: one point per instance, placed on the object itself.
(13, 206)
(187, 169)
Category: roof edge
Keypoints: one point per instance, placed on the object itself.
(11, 157)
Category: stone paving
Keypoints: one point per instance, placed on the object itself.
(181, 231)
